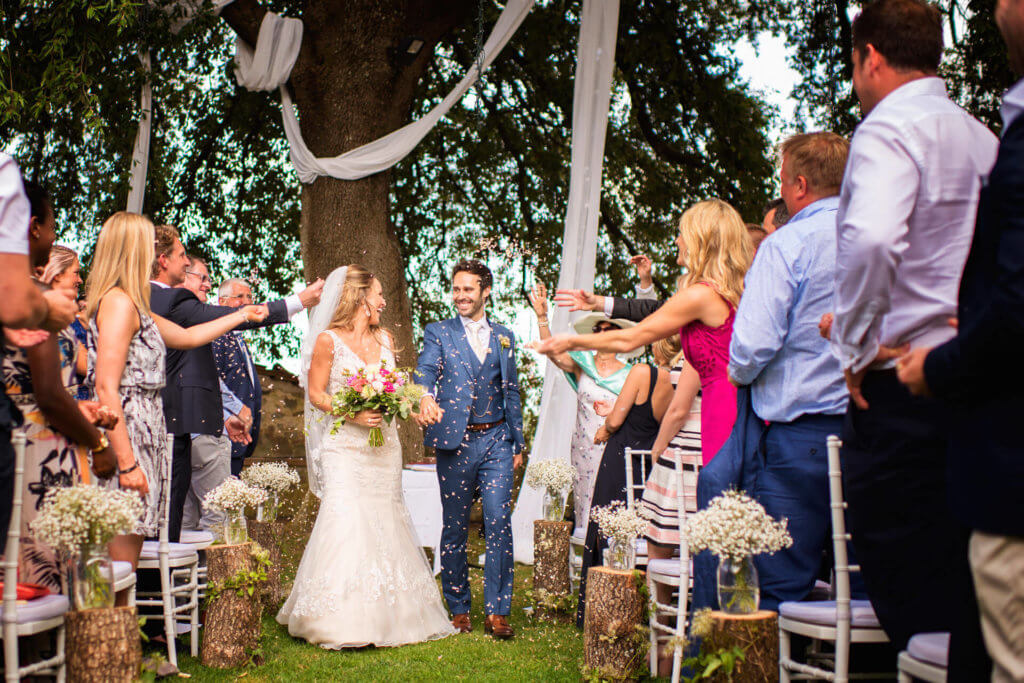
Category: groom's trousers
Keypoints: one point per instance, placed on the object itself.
(484, 459)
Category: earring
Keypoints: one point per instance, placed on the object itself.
(368, 313)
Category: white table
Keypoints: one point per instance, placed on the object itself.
(423, 498)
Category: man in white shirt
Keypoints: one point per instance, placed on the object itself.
(906, 216)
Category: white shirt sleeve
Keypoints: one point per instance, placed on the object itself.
(293, 304)
(645, 292)
(609, 302)
(15, 212)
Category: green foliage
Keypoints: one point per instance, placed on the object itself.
(243, 582)
(720, 663)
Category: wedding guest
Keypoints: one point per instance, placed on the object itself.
(775, 215)
(192, 399)
(971, 374)
(597, 379)
(636, 309)
(22, 306)
(716, 252)
(632, 423)
(757, 235)
(906, 214)
(126, 363)
(59, 435)
(797, 391)
(63, 271)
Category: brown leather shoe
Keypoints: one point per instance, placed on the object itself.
(462, 623)
(497, 626)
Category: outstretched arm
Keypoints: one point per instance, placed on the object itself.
(178, 337)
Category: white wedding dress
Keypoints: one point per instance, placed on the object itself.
(363, 578)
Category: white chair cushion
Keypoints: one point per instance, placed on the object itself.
(41, 609)
(641, 546)
(121, 570)
(150, 550)
(579, 534)
(668, 566)
(932, 648)
(862, 614)
(196, 537)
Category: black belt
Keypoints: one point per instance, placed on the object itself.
(484, 426)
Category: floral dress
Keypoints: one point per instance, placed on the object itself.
(51, 460)
(141, 382)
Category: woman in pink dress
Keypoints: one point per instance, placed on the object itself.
(715, 252)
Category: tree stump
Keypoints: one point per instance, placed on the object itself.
(757, 634)
(614, 637)
(232, 627)
(552, 590)
(269, 535)
(103, 645)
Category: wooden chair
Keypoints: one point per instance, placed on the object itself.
(842, 621)
(32, 616)
(925, 659)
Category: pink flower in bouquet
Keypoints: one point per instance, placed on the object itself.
(389, 388)
(357, 383)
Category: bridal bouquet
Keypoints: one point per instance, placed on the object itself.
(390, 391)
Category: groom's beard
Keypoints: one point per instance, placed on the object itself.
(474, 308)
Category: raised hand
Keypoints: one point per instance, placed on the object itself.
(310, 296)
(643, 265)
(255, 314)
(576, 299)
(539, 299)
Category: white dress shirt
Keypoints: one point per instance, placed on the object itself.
(483, 334)
(1013, 104)
(14, 209)
(906, 218)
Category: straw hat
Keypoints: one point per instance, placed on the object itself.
(585, 325)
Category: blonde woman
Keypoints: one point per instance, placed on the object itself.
(126, 363)
(363, 579)
(63, 271)
(716, 252)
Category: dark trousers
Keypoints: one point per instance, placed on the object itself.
(6, 484)
(181, 479)
(913, 556)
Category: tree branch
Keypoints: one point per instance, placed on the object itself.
(616, 234)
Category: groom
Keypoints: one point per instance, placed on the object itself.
(473, 419)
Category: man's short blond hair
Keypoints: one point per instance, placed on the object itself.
(818, 157)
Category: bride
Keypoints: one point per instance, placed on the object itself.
(363, 579)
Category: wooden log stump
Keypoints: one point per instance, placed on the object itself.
(757, 634)
(232, 627)
(552, 591)
(269, 535)
(103, 645)
(614, 636)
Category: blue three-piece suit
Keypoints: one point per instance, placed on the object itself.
(471, 393)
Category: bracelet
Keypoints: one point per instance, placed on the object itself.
(542, 322)
(129, 470)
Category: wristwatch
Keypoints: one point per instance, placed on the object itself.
(103, 445)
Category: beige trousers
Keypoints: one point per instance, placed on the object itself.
(997, 563)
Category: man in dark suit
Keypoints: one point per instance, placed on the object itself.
(192, 398)
(238, 371)
(975, 372)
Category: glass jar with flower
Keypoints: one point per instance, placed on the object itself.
(274, 478)
(621, 525)
(554, 478)
(231, 498)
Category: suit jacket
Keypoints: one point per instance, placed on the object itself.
(444, 368)
(192, 403)
(238, 372)
(634, 309)
(979, 370)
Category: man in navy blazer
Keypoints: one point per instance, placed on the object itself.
(474, 422)
(192, 398)
(977, 372)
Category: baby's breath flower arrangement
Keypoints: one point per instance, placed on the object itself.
(274, 478)
(554, 477)
(621, 526)
(231, 498)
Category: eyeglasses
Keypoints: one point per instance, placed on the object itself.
(202, 278)
(604, 328)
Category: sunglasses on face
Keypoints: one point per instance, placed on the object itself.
(604, 328)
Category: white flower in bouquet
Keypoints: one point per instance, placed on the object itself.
(74, 517)
(736, 526)
(272, 477)
(617, 522)
(234, 495)
(553, 475)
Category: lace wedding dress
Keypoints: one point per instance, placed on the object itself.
(363, 578)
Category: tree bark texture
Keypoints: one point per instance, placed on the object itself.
(103, 645)
(350, 88)
(614, 644)
(551, 567)
(757, 634)
(269, 535)
(232, 626)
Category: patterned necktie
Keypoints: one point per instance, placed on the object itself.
(474, 327)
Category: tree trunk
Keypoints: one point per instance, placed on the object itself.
(757, 634)
(231, 630)
(103, 645)
(269, 535)
(551, 570)
(614, 641)
(350, 89)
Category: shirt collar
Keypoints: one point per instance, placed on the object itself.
(929, 85)
(159, 284)
(484, 325)
(824, 204)
(1013, 104)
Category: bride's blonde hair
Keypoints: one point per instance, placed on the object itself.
(718, 250)
(358, 284)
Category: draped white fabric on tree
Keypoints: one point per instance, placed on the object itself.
(595, 61)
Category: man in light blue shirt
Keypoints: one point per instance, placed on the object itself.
(796, 384)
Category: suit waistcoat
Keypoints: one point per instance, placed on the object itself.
(488, 398)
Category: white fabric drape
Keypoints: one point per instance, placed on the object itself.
(268, 67)
(140, 152)
(595, 60)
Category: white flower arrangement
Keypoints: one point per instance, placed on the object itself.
(618, 523)
(272, 477)
(77, 516)
(553, 475)
(234, 495)
(736, 526)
